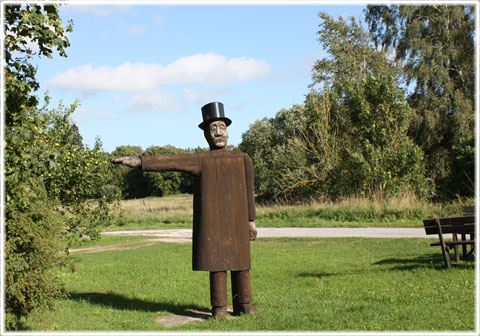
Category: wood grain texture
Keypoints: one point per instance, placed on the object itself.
(223, 205)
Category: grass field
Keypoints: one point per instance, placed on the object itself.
(308, 284)
(334, 284)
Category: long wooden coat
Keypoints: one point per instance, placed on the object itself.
(223, 205)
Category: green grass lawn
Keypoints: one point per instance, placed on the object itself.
(334, 284)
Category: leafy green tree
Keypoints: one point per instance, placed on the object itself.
(321, 141)
(351, 55)
(50, 178)
(434, 44)
(26, 26)
(364, 112)
(278, 155)
(32, 227)
(378, 157)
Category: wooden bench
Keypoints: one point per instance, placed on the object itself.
(463, 226)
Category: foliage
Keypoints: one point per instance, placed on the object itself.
(434, 44)
(32, 251)
(358, 123)
(277, 154)
(351, 54)
(350, 138)
(376, 157)
(80, 174)
(49, 176)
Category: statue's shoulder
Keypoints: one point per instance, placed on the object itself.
(236, 154)
(223, 153)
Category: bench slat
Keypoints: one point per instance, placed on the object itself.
(463, 224)
(455, 242)
(466, 229)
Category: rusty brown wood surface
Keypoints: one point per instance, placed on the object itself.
(223, 205)
(461, 224)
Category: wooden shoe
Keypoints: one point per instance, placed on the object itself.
(220, 312)
(246, 308)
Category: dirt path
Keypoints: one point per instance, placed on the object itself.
(184, 236)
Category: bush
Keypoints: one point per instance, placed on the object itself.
(32, 253)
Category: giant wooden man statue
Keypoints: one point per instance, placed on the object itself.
(223, 210)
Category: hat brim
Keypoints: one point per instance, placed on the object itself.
(206, 122)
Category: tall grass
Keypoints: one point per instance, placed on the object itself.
(176, 212)
(173, 211)
(406, 211)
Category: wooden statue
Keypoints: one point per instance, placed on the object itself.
(223, 210)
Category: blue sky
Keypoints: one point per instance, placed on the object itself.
(143, 72)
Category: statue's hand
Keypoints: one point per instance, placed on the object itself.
(130, 161)
(253, 231)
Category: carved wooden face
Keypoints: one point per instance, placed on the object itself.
(216, 134)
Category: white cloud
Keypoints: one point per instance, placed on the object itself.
(207, 69)
(126, 77)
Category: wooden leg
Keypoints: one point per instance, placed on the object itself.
(445, 252)
(218, 289)
(464, 247)
(241, 290)
(472, 247)
(455, 248)
(242, 293)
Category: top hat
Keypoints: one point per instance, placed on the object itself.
(213, 112)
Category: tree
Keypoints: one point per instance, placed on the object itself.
(27, 26)
(364, 113)
(278, 155)
(32, 228)
(351, 55)
(434, 44)
(50, 177)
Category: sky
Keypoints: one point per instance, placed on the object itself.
(142, 72)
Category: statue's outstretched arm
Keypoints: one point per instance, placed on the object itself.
(129, 161)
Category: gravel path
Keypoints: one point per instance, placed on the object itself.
(292, 232)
